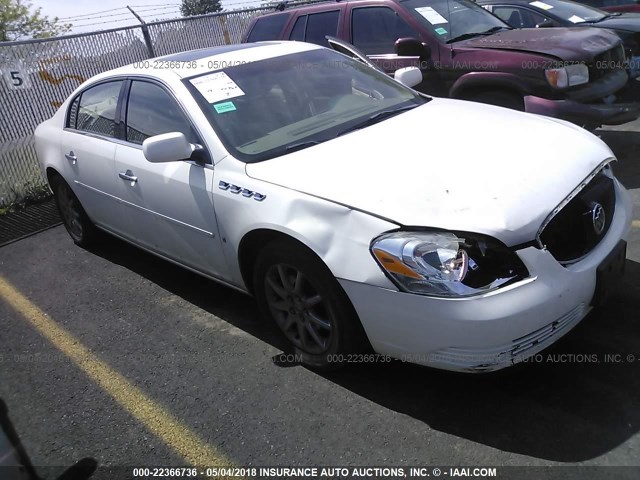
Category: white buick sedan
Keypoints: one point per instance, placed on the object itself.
(363, 216)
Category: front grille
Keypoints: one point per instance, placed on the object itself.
(607, 62)
(572, 233)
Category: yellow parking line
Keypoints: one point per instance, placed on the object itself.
(635, 224)
(154, 417)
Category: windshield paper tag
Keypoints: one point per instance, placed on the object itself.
(441, 31)
(225, 107)
(431, 15)
(217, 86)
(542, 5)
(576, 19)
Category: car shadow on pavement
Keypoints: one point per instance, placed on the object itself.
(575, 402)
(626, 147)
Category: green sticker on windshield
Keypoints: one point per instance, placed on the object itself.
(225, 107)
(441, 31)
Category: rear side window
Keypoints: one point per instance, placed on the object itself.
(376, 29)
(96, 111)
(298, 29)
(152, 111)
(319, 25)
(72, 115)
(267, 28)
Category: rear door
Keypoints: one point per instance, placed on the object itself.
(315, 27)
(170, 204)
(88, 144)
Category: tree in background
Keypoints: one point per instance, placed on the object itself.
(189, 8)
(17, 21)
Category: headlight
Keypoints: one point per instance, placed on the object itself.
(444, 264)
(568, 76)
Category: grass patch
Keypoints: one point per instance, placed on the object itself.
(32, 194)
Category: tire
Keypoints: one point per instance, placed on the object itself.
(74, 218)
(506, 99)
(299, 293)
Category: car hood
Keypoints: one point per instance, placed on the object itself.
(448, 164)
(628, 22)
(570, 44)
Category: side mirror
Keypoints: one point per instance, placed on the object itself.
(408, 76)
(412, 47)
(167, 147)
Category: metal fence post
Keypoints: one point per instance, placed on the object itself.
(145, 33)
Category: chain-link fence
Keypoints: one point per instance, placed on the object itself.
(38, 75)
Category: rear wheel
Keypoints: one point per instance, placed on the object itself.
(506, 99)
(299, 293)
(74, 218)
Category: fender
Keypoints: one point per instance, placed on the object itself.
(486, 81)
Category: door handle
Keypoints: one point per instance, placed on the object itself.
(71, 157)
(128, 176)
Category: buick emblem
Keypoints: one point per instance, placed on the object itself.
(598, 217)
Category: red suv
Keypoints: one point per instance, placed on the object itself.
(468, 53)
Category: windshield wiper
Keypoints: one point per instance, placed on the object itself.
(300, 146)
(378, 117)
(466, 36)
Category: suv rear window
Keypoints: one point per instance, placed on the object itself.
(268, 28)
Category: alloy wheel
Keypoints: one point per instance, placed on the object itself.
(298, 309)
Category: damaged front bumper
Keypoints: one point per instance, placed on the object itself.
(611, 100)
(495, 330)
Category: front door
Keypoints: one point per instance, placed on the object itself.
(170, 204)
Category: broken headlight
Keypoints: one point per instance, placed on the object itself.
(446, 264)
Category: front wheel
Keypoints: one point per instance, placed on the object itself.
(297, 291)
(74, 218)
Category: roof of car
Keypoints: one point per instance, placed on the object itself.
(191, 55)
(196, 62)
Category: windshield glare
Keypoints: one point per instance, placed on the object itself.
(571, 11)
(278, 105)
(450, 19)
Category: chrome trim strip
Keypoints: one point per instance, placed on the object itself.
(170, 219)
(570, 197)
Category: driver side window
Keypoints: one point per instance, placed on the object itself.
(376, 29)
(152, 111)
(519, 17)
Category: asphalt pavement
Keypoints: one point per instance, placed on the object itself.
(115, 355)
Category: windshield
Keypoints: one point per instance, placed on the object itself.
(272, 107)
(453, 20)
(570, 11)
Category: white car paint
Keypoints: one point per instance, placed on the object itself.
(448, 164)
(445, 153)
